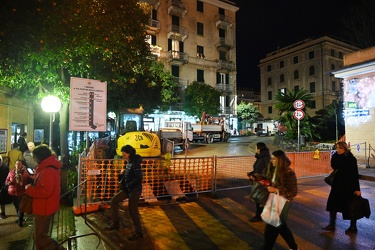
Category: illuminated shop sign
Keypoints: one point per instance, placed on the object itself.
(357, 112)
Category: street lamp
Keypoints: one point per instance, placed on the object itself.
(51, 104)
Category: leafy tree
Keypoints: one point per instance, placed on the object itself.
(285, 105)
(359, 23)
(326, 120)
(201, 97)
(247, 112)
(43, 43)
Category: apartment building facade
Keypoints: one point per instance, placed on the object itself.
(196, 41)
(303, 65)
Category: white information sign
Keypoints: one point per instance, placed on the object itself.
(88, 105)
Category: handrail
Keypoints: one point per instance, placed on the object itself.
(69, 240)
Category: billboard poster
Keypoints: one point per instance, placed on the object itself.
(88, 105)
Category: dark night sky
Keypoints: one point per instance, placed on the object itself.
(265, 25)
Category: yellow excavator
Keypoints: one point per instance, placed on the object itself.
(130, 126)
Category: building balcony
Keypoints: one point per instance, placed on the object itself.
(182, 82)
(153, 27)
(177, 33)
(225, 66)
(177, 57)
(154, 3)
(155, 50)
(223, 87)
(177, 8)
(223, 22)
(224, 44)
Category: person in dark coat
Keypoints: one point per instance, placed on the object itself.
(131, 185)
(345, 186)
(4, 171)
(22, 142)
(263, 157)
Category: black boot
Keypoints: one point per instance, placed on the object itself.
(332, 222)
(353, 227)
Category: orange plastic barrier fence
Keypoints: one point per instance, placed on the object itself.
(181, 177)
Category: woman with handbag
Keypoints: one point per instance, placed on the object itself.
(131, 188)
(263, 157)
(283, 182)
(344, 187)
(17, 179)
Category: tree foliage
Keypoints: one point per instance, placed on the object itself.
(247, 112)
(285, 106)
(327, 119)
(201, 97)
(359, 23)
(44, 42)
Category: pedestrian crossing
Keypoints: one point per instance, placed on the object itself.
(223, 223)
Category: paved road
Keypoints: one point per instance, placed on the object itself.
(238, 146)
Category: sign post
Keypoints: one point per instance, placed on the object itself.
(298, 115)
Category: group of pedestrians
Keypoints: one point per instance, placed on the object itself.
(282, 179)
(42, 185)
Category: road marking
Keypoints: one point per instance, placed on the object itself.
(241, 212)
(217, 232)
(164, 235)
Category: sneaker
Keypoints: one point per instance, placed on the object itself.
(3, 216)
(256, 219)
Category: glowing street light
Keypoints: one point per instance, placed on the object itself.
(51, 104)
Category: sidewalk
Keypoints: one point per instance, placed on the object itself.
(22, 238)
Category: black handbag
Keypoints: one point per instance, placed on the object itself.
(259, 193)
(359, 208)
(330, 178)
(5, 198)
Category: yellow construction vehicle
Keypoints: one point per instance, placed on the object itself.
(145, 143)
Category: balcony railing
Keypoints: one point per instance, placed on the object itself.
(177, 57)
(224, 44)
(225, 87)
(223, 22)
(153, 26)
(177, 8)
(225, 66)
(177, 32)
(155, 50)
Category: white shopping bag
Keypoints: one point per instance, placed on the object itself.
(275, 211)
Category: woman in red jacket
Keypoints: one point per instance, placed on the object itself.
(46, 196)
(17, 179)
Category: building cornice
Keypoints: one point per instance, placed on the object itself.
(228, 5)
(355, 70)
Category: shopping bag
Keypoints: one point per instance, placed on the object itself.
(275, 212)
(359, 208)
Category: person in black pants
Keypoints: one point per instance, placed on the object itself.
(283, 181)
(345, 186)
(263, 157)
(131, 185)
